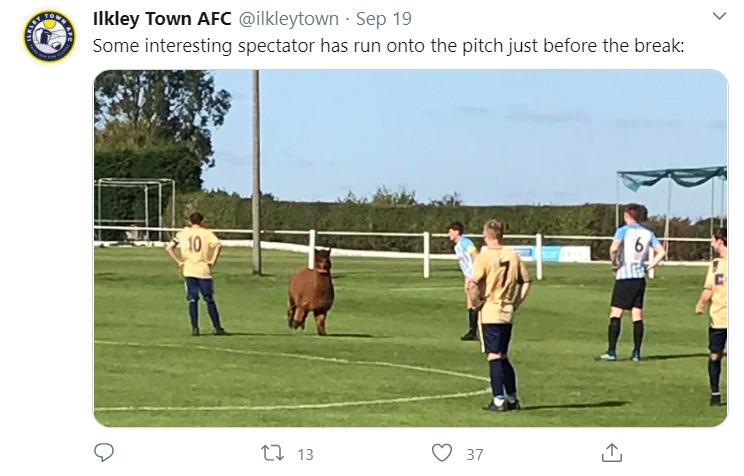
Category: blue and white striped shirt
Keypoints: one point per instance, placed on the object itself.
(463, 250)
(636, 241)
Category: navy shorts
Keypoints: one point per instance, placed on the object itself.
(629, 293)
(197, 286)
(495, 338)
(717, 340)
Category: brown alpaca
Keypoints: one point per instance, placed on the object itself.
(311, 290)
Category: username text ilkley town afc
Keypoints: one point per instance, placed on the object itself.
(106, 18)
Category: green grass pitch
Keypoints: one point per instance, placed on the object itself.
(393, 356)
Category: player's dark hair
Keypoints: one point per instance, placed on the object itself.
(196, 218)
(494, 229)
(457, 226)
(637, 212)
(720, 234)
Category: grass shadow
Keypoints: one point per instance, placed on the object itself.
(247, 334)
(608, 404)
(356, 336)
(292, 334)
(676, 356)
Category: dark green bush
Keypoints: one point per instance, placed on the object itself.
(230, 211)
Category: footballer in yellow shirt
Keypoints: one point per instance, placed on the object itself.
(715, 292)
(505, 282)
(199, 250)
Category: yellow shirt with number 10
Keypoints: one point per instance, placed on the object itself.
(196, 245)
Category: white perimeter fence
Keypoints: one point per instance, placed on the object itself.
(537, 253)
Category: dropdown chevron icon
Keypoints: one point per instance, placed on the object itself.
(719, 17)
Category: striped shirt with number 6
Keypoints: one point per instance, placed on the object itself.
(636, 242)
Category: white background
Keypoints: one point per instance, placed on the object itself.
(48, 287)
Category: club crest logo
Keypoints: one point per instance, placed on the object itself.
(49, 36)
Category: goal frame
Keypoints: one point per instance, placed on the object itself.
(142, 183)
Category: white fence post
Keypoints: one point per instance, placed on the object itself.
(311, 249)
(539, 255)
(427, 255)
(652, 273)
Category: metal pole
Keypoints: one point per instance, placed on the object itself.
(712, 211)
(100, 236)
(668, 213)
(617, 201)
(147, 215)
(311, 249)
(173, 201)
(539, 255)
(427, 255)
(160, 212)
(723, 200)
(256, 200)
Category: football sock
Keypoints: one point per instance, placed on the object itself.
(510, 379)
(194, 313)
(214, 314)
(637, 336)
(497, 379)
(613, 334)
(473, 317)
(714, 372)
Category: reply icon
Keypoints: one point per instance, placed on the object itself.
(103, 451)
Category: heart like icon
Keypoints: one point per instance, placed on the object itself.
(441, 452)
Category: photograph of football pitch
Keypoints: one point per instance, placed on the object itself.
(393, 355)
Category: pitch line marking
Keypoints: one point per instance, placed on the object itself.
(300, 406)
(295, 407)
(443, 288)
(461, 288)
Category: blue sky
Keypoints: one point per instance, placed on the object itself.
(496, 137)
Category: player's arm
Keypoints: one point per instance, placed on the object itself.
(170, 248)
(707, 294)
(617, 243)
(215, 255)
(705, 298)
(659, 253)
(615, 252)
(479, 272)
(473, 251)
(525, 284)
(216, 250)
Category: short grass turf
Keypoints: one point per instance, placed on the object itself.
(393, 352)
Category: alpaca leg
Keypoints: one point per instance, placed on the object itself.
(299, 318)
(320, 320)
(290, 315)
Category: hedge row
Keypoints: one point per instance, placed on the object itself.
(230, 211)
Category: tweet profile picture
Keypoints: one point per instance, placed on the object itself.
(49, 36)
